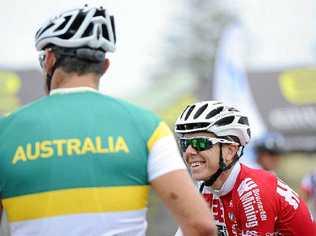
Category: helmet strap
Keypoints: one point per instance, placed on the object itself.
(222, 167)
(48, 82)
(49, 77)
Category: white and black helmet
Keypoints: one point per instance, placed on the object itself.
(79, 28)
(214, 117)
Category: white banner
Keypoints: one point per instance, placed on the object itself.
(230, 80)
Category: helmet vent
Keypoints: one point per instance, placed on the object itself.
(243, 120)
(88, 31)
(225, 121)
(248, 132)
(113, 27)
(192, 126)
(74, 26)
(189, 112)
(233, 109)
(214, 112)
(67, 18)
(99, 13)
(41, 31)
(184, 111)
(105, 32)
(77, 22)
(200, 111)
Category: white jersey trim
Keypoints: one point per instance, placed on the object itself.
(164, 157)
(91, 224)
(229, 183)
(72, 90)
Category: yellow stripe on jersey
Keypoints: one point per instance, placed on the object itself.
(76, 201)
(161, 131)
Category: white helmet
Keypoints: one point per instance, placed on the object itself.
(214, 117)
(84, 27)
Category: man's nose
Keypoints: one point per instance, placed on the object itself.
(190, 150)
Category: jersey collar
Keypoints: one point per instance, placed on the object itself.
(229, 183)
(73, 90)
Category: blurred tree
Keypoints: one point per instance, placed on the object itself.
(188, 55)
(192, 41)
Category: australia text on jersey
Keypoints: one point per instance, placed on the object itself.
(69, 147)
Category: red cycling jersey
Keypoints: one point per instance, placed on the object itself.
(255, 202)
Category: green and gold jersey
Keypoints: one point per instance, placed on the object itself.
(79, 163)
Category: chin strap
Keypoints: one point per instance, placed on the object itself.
(222, 167)
(48, 82)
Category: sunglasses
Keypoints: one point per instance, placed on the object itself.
(41, 58)
(201, 143)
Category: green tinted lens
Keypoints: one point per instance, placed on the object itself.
(194, 143)
(184, 143)
(199, 144)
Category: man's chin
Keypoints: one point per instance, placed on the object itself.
(201, 176)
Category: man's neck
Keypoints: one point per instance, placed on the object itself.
(73, 80)
(218, 184)
(226, 181)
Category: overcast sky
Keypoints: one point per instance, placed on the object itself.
(281, 32)
(139, 24)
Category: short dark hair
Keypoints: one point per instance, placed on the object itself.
(72, 64)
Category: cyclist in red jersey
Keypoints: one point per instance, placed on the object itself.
(244, 201)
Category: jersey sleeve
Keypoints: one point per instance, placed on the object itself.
(162, 150)
(164, 155)
(270, 206)
(294, 217)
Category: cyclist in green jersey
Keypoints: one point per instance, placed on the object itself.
(80, 163)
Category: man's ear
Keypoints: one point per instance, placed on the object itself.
(230, 151)
(106, 64)
(49, 62)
